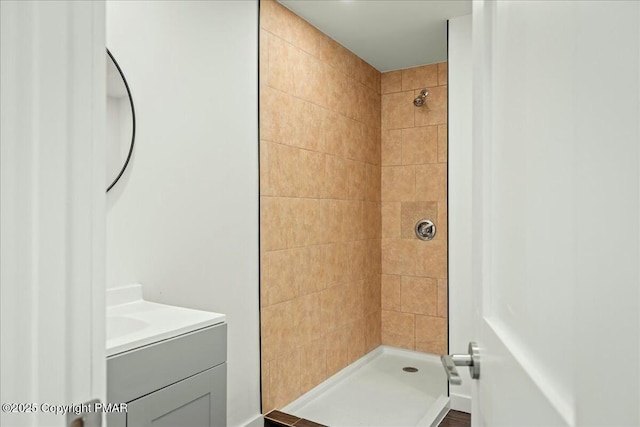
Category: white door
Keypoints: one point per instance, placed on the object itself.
(52, 94)
(556, 212)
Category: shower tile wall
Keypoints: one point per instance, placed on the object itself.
(414, 186)
(320, 206)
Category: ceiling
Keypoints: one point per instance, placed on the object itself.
(388, 34)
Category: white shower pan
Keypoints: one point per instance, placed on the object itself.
(375, 391)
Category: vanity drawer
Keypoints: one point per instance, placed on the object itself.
(141, 371)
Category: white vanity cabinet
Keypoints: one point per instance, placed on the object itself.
(180, 381)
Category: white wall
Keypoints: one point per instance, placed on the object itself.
(461, 328)
(184, 219)
(52, 214)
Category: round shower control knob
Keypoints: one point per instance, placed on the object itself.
(425, 229)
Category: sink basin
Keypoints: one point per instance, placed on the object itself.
(133, 322)
(118, 326)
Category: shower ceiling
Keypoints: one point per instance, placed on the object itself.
(388, 34)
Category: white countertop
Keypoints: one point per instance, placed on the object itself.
(133, 322)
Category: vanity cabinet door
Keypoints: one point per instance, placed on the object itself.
(198, 401)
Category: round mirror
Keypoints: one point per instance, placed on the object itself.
(121, 122)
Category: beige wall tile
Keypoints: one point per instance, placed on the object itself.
(391, 292)
(398, 183)
(304, 123)
(391, 212)
(276, 223)
(397, 110)
(356, 340)
(308, 224)
(372, 331)
(264, 268)
(372, 108)
(420, 77)
(356, 172)
(426, 117)
(412, 212)
(430, 329)
(332, 222)
(368, 75)
(372, 226)
(307, 37)
(267, 402)
(333, 306)
(419, 295)
(357, 110)
(320, 113)
(335, 87)
(419, 145)
(443, 222)
(443, 144)
(397, 323)
(313, 81)
(431, 182)
(398, 257)
(266, 188)
(279, 20)
(307, 316)
(336, 56)
(372, 294)
(280, 282)
(443, 289)
(273, 121)
(391, 82)
(432, 259)
(375, 257)
(432, 347)
(313, 362)
(336, 178)
(264, 57)
(311, 270)
(437, 98)
(373, 152)
(337, 266)
(284, 170)
(336, 133)
(355, 145)
(354, 301)
(284, 62)
(391, 147)
(278, 331)
(337, 346)
(442, 73)
(354, 226)
(285, 376)
(357, 254)
(400, 341)
(310, 173)
(373, 182)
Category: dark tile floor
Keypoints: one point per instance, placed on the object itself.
(280, 419)
(456, 419)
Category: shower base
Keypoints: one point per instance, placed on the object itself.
(375, 391)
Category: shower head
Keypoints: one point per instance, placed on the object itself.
(421, 99)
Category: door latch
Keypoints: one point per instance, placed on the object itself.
(472, 360)
(87, 415)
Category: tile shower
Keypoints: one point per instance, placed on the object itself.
(347, 167)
